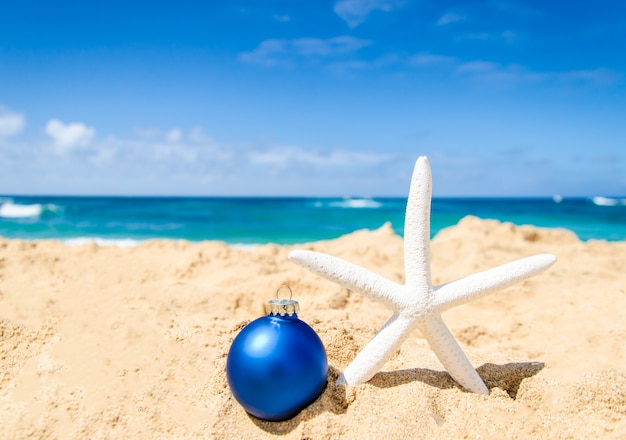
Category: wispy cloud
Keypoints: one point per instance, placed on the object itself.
(148, 133)
(493, 11)
(285, 52)
(511, 74)
(283, 156)
(355, 12)
(450, 17)
(507, 36)
(156, 145)
(192, 161)
(347, 67)
(281, 18)
(195, 148)
(600, 77)
(503, 75)
(174, 135)
(329, 47)
(340, 55)
(11, 123)
(268, 53)
(510, 36)
(478, 67)
(68, 137)
(430, 59)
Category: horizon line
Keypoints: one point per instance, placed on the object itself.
(253, 196)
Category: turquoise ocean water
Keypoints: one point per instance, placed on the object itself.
(127, 220)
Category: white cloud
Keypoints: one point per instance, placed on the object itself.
(148, 133)
(284, 52)
(174, 135)
(355, 12)
(496, 73)
(70, 136)
(343, 67)
(491, 72)
(198, 136)
(431, 59)
(478, 67)
(160, 148)
(268, 53)
(338, 55)
(328, 47)
(484, 36)
(450, 17)
(284, 156)
(10, 123)
(509, 36)
(281, 18)
(601, 76)
(183, 153)
(506, 36)
(259, 167)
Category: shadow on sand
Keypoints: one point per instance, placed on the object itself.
(337, 398)
(507, 377)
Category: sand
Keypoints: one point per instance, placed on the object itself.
(106, 342)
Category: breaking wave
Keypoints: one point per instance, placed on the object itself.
(607, 201)
(9, 209)
(123, 242)
(355, 203)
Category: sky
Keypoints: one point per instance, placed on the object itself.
(312, 97)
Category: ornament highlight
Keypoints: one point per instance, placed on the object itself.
(277, 364)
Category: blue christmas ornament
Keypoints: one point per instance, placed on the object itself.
(277, 364)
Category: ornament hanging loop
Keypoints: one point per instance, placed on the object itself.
(290, 291)
(282, 307)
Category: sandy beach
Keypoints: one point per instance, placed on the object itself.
(107, 342)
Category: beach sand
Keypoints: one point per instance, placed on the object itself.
(106, 342)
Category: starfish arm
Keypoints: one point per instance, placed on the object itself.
(417, 229)
(351, 277)
(466, 289)
(378, 351)
(451, 355)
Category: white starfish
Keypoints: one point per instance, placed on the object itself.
(417, 304)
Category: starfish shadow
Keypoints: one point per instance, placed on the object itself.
(335, 398)
(507, 377)
(437, 379)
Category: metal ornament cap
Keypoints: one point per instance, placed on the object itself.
(282, 307)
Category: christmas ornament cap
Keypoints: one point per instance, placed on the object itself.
(283, 306)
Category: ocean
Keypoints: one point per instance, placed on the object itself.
(125, 221)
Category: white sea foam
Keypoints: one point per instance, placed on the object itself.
(607, 201)
(244, 246)
(557, 198)
(13, 210)
(122, 242)
(129, 242)
(356, 203)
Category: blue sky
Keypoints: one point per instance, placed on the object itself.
(312, 97)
